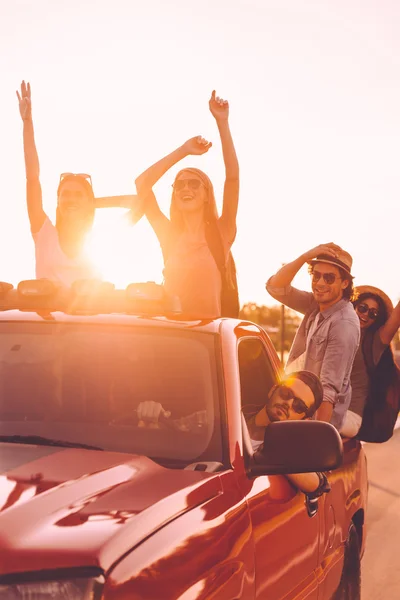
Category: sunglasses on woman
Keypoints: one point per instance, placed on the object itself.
(364, 309)
(329, 278)
(298, 405)
(179, 184)
(81, 175)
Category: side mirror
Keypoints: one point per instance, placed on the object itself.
(298, 447)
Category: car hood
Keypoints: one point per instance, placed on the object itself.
(62, 508)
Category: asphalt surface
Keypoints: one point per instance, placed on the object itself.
(381, 561)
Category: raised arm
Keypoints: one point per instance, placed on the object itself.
(219, 108)
(287, 273)
(146, 181)
(33, 188)
(388, 330)
(279, 285)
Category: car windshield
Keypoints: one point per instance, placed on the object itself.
(84, 383)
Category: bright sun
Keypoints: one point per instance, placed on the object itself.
(123, 253)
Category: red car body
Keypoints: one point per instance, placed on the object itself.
(152, 532)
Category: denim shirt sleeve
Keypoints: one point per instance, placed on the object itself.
(344, 338)
(291, 297)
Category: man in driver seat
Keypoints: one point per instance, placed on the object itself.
(297, 397)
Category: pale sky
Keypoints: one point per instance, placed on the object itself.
(314, 92)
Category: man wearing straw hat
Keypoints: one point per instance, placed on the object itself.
(328, 337)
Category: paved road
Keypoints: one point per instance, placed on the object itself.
(381, 562)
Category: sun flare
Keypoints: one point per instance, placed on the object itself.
(123, 253)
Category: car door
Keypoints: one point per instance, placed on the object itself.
(285, 537)
(342, 506)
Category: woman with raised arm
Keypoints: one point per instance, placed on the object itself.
(195, 241)
(374, 362)
(59, 249)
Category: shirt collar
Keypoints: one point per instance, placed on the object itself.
(332, 309)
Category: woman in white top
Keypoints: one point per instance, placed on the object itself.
(59, 249)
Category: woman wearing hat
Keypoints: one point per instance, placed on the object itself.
(379, 322)
(59, 248)
(191, 269)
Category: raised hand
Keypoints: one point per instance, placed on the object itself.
(197, 145)
(219, 108)
(330, 249)
(25, 102)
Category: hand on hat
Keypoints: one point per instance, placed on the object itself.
(329, 249)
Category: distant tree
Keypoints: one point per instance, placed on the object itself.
(269, 318)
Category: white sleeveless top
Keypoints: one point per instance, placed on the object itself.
(52, 263)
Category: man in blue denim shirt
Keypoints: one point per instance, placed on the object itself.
(329, 335)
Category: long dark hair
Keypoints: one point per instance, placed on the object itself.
(88, 190)
(386, 367)
(382, 310)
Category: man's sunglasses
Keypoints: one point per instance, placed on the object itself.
(329, 278)
(179, 184)
(80, 175)
(364, 309)
(298, 405)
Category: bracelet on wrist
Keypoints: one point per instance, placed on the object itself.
(323, 487)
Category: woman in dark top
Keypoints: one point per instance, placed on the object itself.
(379, 322)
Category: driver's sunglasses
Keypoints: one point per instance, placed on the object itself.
(329, 278)
(179, 184)
(81, 175)
(364, 309)
(298, 405)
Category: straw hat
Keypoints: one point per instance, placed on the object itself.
(370, 289)
(342, 260)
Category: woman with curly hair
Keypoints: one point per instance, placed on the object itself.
(374, 361)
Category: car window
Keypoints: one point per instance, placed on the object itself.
(84, 383)
(256, 379)
(256, 373)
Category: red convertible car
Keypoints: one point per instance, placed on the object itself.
(96, 504)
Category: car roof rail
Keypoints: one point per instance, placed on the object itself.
(89, 296)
